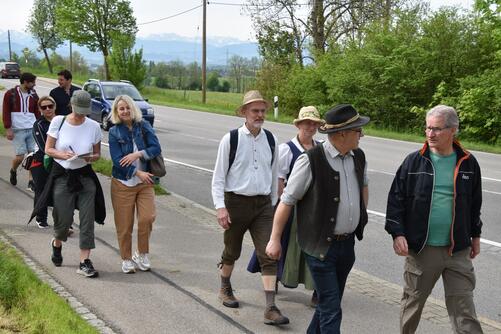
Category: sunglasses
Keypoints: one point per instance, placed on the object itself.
(48, 106)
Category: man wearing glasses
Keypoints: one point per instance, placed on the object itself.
(330, 187)
(433, 215)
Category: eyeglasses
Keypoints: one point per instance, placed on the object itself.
(435, 129)
(47, 106)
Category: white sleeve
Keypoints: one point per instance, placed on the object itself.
(55, 126)
(98, 135)
(220, 171)
(284, 160)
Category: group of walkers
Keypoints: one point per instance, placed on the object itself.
(67, 142)
(304, 202)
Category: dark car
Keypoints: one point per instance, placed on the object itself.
(104, 92)
(10, 70)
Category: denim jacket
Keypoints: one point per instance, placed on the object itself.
(121, 144)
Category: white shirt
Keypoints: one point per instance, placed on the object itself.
(348, 214)
(134, 180)
(81, 138)
(23, 119)
(251, 173)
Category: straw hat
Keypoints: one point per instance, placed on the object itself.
(308, 113)
(252, 96)
(342, 117)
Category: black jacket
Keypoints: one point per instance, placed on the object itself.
(74, 184)
(40, 128)
(409, 200)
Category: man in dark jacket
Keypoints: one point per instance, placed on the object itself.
(433, 215)
(330, 187)
(63, 93)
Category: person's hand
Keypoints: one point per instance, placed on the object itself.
(145, 177)
(223, 218)
(400, 246)
(274, 249)
(130, 158)
(91, 158)
(65, 155)
(475, 247)
(9, 134)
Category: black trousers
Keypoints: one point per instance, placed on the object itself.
(40, 176)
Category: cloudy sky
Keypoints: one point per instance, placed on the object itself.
(223, 20)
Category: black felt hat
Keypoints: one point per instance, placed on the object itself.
(342, 117)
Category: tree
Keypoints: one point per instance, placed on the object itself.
(42, 25)
(125, 63)
(238, 66)
(93, 23)
(213, 81)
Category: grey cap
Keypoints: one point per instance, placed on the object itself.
(81, 102)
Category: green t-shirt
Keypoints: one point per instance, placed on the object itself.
(439, 230)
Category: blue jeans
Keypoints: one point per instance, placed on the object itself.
(330, 277)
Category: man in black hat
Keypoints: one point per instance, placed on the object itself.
(329, 185)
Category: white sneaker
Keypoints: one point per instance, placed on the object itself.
(142, 261)
(128, 267)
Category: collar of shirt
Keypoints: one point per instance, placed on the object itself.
(333, 152)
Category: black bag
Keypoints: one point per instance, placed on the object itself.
(157, 164)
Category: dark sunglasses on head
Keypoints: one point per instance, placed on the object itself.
(48, 106)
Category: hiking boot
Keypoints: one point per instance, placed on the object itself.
(31, 186)
(227, 297)
(141, 260)
(87, 269)
(57, 257)
(42, 224)
(128, 266)
(273, 316)
(13, 177)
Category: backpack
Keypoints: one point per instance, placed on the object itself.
(234, 145)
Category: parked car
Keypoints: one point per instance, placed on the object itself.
(104, 92)
(10, 69)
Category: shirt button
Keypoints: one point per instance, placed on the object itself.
(336, 199)
(336, 177)
(329, 239)
(332, 219)
(322, 256)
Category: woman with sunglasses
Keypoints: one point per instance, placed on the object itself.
(47, 108)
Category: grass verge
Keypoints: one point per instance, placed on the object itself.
(27, 305)
(104, 166)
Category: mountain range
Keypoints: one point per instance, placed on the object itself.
(159, 47)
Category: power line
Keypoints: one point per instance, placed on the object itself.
(172, 16)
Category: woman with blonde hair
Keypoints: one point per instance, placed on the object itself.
(132, 144)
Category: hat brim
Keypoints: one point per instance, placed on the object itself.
(81, 110)
(361, 121)
(314, 119)
(239, 109)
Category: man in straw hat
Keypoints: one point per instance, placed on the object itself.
(328, 185)
(244, 190)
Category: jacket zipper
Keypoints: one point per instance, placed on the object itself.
(431, 201)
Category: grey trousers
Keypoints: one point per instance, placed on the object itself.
(422, 272)
(65, 203)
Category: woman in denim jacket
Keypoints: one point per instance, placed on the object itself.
(132, 144)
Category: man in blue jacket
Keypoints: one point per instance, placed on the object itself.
(433, 215)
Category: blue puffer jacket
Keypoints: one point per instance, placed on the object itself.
(121, 144)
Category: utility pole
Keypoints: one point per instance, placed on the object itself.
(204, 53)
(10, 51)
(71, 57)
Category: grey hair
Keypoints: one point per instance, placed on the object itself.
(448, 113)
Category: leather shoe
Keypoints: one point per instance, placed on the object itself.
(227, 297)
(273, 316)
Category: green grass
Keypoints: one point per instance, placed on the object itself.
(104, 167)
(2, 87)
(30, 306)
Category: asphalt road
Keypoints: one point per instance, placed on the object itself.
(190, 140)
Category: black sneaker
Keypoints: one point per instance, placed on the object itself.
(31, 186)
(42, 224)
(13, 177)
(87, 269)
(57, 257)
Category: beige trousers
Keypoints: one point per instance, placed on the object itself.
(127, 200)
(422, 272)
